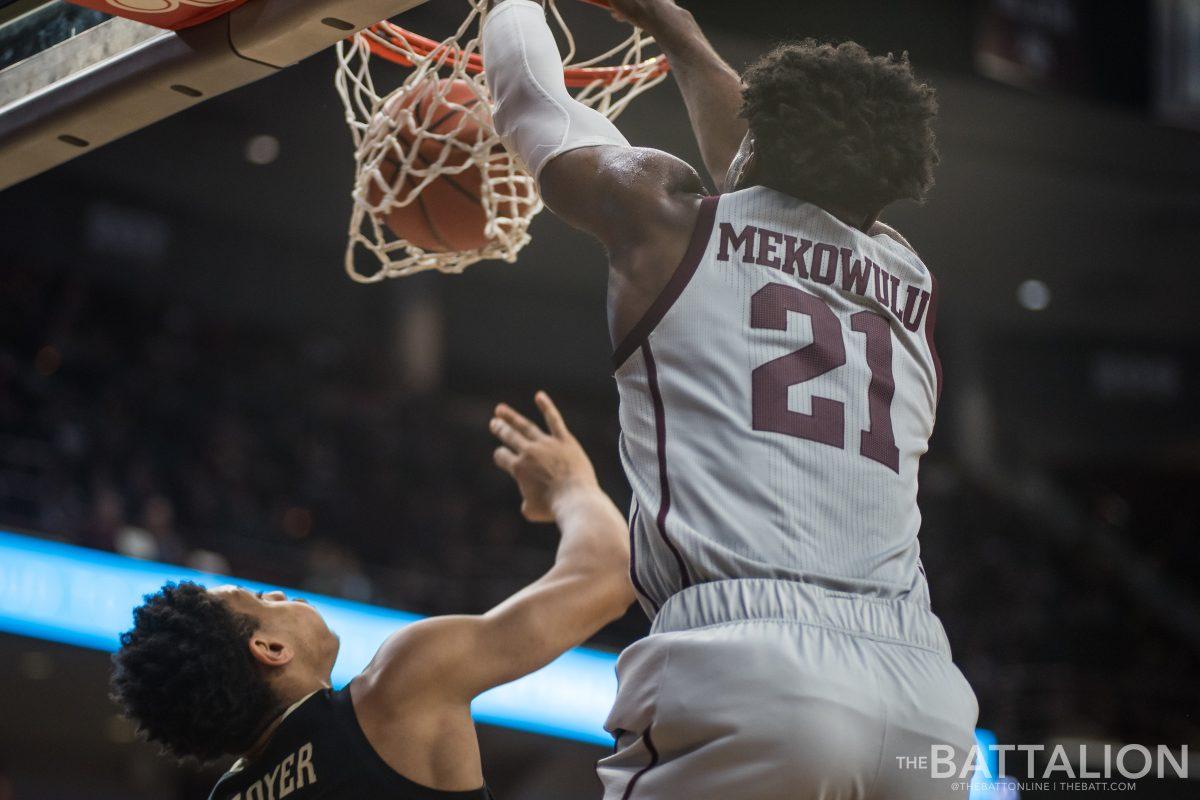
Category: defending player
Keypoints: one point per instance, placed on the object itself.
(778, 381)
(226, 670)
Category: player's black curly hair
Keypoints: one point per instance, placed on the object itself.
(186, 676)
(833, 124)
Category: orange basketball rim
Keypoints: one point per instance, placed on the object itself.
(576, 77)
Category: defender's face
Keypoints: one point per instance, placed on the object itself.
(290, 620)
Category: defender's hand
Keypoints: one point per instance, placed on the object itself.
(546, 466)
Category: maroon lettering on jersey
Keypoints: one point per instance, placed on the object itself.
(793, 256)
(770, 382)
(824, 263)
(878, 442)
(767, 242)
(883, 286)
(743, 241)
(895, 294)
(855, 272)
(761, 246)
(914, 308)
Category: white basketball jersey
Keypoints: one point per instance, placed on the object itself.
(775, 402)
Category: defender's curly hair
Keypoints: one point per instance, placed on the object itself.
(186, 676)
(833, 124)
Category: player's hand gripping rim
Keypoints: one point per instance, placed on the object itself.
(549, 465)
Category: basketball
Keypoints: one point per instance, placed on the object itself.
(448, 214)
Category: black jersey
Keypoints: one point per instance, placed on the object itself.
(319, 752)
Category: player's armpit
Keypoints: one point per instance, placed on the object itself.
(641, 204)
(624, 196)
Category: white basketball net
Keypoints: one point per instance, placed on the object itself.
(392, 151)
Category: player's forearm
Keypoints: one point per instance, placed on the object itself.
(458, 657)
(595, 545)
(587, 588)
(711, 89)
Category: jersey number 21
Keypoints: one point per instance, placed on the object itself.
(826, 424)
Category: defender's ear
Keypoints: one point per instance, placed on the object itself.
(270, 651)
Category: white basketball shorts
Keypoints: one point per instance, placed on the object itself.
(778, 690)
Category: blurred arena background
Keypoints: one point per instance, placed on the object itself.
(187, 376)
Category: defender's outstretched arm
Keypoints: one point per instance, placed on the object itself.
(442, 663)
(711, 89)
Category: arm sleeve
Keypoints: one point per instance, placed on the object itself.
(533, 112)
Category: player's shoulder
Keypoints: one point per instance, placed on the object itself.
(628, 197)
(653, 168)
(883, 229)
(658, 191)
(421, 657)
(631, 185)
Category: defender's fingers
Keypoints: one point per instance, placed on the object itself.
(523, 426)
(550, 413)
(505, 459)
(508, 435)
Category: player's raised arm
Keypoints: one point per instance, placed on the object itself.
(711, 89)
(587, 171)
(443, 662)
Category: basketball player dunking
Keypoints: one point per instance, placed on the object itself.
(226, 670)
(774, 356)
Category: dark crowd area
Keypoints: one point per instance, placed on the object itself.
(134, 424)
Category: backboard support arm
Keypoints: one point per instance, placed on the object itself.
(84, 93)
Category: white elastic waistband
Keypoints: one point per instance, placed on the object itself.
(899, 621)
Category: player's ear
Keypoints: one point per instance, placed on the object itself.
(745, 163)
(270, 651)
(750, 165)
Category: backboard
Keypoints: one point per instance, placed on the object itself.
(72, 79)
